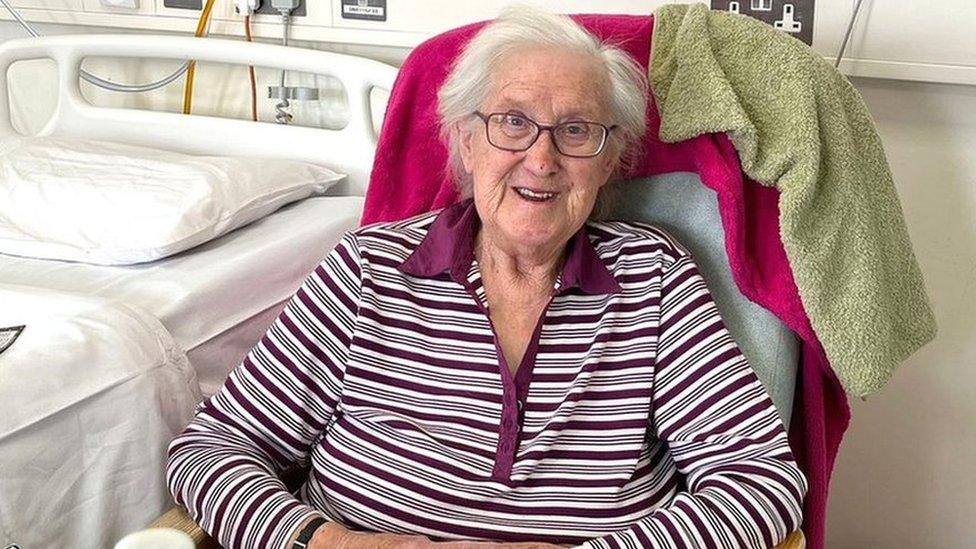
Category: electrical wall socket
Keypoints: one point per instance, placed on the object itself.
(791, 16)
(266, 8)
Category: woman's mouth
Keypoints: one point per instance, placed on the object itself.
(535, 196)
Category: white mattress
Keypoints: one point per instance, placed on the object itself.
(92, 393)
(209, 290)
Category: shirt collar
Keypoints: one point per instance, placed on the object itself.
(449, 246)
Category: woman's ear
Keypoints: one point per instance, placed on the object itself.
(465, 137)
(611, 160)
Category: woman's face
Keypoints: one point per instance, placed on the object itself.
(549, 86)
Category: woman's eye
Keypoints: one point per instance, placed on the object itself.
(575, 129)
(513, 120)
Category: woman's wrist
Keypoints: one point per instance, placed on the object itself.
(302, 538)
(333, 535)
(330, 534)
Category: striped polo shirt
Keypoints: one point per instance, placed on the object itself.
(633, 419)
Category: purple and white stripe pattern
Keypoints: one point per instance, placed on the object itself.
(634, 421)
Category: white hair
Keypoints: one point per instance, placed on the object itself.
(466, 88)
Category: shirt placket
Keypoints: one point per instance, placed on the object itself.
(514, 389)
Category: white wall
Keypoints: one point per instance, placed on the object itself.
(906, 475)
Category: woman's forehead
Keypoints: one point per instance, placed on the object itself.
(546, 103)
(549, 83)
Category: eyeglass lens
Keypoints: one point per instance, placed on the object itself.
(515, 132)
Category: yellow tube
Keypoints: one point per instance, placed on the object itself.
(188, 86)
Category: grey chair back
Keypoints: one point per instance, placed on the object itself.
(681, 205)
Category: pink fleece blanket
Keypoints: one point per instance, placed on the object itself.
(409, 177)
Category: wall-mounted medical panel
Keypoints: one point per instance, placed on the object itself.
(900, 39)
(163, 10)
(46, 5)
(439, 15)
(405, 16)
(142, 7)
(588, 6)
(318, 13)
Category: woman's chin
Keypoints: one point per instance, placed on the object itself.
(531, 237)
(532, 227)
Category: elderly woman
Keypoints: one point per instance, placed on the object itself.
(504, 372)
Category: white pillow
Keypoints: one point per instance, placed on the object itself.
(113, 204)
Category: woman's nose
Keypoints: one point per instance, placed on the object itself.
(542, 158)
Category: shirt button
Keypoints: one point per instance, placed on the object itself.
(520, 406)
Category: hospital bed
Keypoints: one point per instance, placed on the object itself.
(216, 297)
(92, 392)
(208, 305)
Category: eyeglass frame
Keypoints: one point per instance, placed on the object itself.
(549, 128)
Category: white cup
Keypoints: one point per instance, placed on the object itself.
(156, 538)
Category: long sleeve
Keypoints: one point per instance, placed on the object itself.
(744, 489)
(223, 468)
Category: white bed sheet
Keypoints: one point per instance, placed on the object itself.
(209, 290)
(219, 354)
(92, 393)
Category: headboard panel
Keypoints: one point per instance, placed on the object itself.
(349, 150)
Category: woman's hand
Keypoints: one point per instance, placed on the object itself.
(333, 535)
(496, 545)
(484, 545)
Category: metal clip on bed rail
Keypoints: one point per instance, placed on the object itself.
(293, 93)
(285, 93)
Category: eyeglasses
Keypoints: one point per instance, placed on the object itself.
(515, 132)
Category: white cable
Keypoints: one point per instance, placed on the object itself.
(246, 7)
(847, 35)
(19, 19)
(101, 82)
(135, 88)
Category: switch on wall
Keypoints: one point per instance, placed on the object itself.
(184, 4)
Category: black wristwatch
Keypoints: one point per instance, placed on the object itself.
(305, 536)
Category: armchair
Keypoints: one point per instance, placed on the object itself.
(680, 204)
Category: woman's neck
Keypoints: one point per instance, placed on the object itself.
(530, 267)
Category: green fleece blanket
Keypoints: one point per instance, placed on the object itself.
(799, 125)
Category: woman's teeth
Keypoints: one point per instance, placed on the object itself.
(534, 196)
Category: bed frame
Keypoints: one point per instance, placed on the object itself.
(349, 150)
